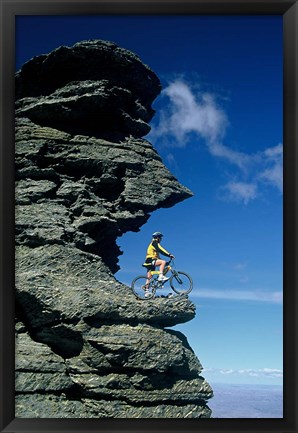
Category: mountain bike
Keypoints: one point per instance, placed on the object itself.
(145, 288)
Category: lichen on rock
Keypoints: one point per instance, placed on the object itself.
(84, 177)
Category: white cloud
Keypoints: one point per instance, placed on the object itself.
(273, 170)
(171, 161)
(190, 111)
(273, 372)
(260, 372)
(240, 191)
(240, 295)
(196, 113)
(226, 371)
(240, 266)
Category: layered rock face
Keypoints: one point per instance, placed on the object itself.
(85, 347)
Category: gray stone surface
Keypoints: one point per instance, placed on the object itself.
(85, 346)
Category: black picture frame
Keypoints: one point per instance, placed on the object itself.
(9, 10)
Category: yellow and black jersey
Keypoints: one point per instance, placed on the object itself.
(154, 249)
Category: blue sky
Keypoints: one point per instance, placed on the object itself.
(218, 128)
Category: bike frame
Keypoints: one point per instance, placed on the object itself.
(166, 270)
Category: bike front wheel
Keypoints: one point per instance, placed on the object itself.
(142, 289)
(181, 283)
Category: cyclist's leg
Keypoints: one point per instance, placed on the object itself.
(150, 268)
(149, 276)
(161, 264)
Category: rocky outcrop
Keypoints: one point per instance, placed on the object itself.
(85, 347)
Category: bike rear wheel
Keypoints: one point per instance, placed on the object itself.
(181, 283)
(139, 285)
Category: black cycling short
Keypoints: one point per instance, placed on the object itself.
(149, 264)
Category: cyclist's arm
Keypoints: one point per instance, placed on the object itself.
(160, 249)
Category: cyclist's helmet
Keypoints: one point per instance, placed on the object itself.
(157, 235)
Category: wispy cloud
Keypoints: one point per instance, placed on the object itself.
(275, 297)
(273, 166)
(260, 372)
(187, 111)
(191, 113)
(240, 266)
(240, 191)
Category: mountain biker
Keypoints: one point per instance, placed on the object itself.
(153, 258)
